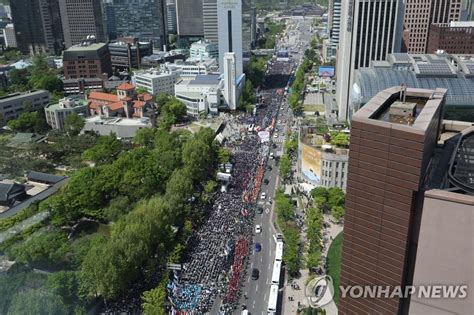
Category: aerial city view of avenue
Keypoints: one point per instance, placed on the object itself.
(244, 157)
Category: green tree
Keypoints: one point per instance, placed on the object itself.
(283, 207)
(320, 195)
(73, 124)
(47, 249)
(64, 284)
(284, 166)
(141, 90)
(19, 77)
(336, 197)
(154, 301)
(223, 155)
(145, 137)
(37, 301)
(340, 139)
(42, 76)
(104, 151)
(161, 99)
(25, 122)
(337, 212)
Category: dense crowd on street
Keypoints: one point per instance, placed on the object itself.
(215, 259)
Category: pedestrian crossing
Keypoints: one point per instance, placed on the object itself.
(278, 140)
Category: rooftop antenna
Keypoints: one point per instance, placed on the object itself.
(403, 93)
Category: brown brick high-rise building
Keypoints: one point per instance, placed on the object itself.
(420, 14)
(393, 138)
(87, 61)
(453, 38)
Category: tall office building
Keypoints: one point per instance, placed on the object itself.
(467, 10)
(393, 138)
(247, 18)
(229, 14)
(209, 18)
(409, 204)
(230, 79)
(369, 31)
(37, 26)
(171, 15)
(334, 24)
(110, 20)
(420, 14)
(82, 20)
(249, 24)
(189, 18)
(146, 20)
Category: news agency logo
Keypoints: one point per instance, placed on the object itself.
(320, 291)
(420, 291)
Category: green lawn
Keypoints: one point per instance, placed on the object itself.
(334, 263)
(313, 108)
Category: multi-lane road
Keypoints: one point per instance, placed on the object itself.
(256, 292)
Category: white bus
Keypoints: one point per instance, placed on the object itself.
(279, 251)
(272, 300)
(276, 272)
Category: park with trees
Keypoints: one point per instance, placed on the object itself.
(125, 212)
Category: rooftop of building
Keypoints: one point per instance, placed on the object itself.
(452, 72)
(461, 24)
(21, 94)
(198, 61)
(408, 107)
(210, 80)
(118, 121)
(87, 51)
(202, 44)
(68, 102)
(86, 47)
(453, 161)
(152, 73)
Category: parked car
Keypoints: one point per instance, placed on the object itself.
(263, 196)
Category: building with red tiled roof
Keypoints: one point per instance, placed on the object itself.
(125, 104)
(126, 86)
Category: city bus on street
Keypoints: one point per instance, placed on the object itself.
(276, 272)
(273, 300)
(279, 251)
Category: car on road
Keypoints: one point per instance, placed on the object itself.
(258, 247)
(275, 136)
(266, 181)
(255, 274)
(259, 210)
(258, 229)
(263, 196)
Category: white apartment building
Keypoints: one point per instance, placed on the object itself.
(203, 49)
(155, 81)
(334, 168)
(201, 95)
(12, 105)
(56, 113)
(193, 67)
